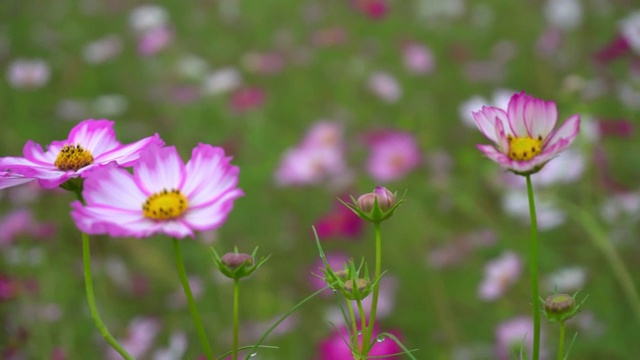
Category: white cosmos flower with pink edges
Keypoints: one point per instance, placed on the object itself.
(524, 135)
(164, 195)
(91, 144)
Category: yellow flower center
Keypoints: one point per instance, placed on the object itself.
(73, 157)
(524, 148)
(165, 205)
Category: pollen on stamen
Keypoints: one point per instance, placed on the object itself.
(165, 205)
(73, 157)
(524, 148)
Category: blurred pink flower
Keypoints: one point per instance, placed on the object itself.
(28, 73)
(418, 59)
(339, 222)
(327, 37)
(9, 288)
(336, 347)
(263, 63)
(621, 128)
(318, 157)
(454, 252)
(386, 301)
(374, 9)
(336, 261)
(393, 154)
(141, 334)
(512, 335)
(154, 40)
(245, 99)
(499, 275)
(619, 46)
(14, 224)
(385, 86)
(523, 136)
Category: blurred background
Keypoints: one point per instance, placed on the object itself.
(317, 100)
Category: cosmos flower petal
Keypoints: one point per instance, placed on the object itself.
(515, 112)
(208, 172)
(160, 168)
(100, 185)
(97, 219)
(568, 131)
(492, 153)
(33, 152)
(214, 214)
(97, 136)
(126, 155)
(486, 119)
(9, 180)
(540, 117)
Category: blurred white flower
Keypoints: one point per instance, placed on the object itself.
(418, 59)
(516, 203)
(110, 105)
(141, 333)
(563, 14)
(102, 50)
(72, 109)
(630, 30)
(192, 67)
(222, 81)
(624, 204)
(175, 350)
(385, 86)
(28, 73)
(148, 17)
(566, 280)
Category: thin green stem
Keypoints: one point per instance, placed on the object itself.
(354, 326)
(363, 329)
(236, 317)
(376, 289)
(561, 342)
(601, 241)
(192, 305)
(91, 299)
(533, 265)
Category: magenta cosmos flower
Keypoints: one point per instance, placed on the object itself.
(162, 196)
(91, 143)
(523, 135)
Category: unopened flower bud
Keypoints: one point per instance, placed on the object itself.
(234, 260)
(559, 303)
(360, 283)
(366, 202)
(386, 199)
(561, 307)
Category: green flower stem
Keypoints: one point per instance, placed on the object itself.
(363, 329)
(236, 317)
(561, 342)
(354, 326)
(533, 264)
(601, 240)
(192, 305)
(376, 289)
(91, 299)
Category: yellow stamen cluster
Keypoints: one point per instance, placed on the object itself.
(165, 205)
(73, 157)
(524, 148)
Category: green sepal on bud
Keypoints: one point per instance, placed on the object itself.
(375, 206)
(236, 265)
(349, 280)
(562, 307)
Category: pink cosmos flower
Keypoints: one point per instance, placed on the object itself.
(154, 40)
(499, 275)
(336, 346)
(162, 196)
(417, 58)
(91, 144)
(523, 135)
(248, 98)
(393, 155)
